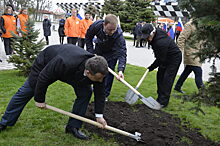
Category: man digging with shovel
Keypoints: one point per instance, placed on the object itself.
(69, 64)
(168, 58)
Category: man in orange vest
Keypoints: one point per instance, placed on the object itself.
(8, 25)
(84, 25)
(22, 20)
(72, 28)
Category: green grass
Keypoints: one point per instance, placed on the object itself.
(44, 127)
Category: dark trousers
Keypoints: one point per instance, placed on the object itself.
(187, 70)
(7, 45)
(81, 42)
(47, 40)
(135, 37)
(17, 104)
(165, 78)
(25, 93)
(72, 40)
(138, 42)
(61, 39)
(109, 78)
(83, 94)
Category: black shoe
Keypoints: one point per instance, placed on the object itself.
(2, 128)
(179, 90)
(76, 132)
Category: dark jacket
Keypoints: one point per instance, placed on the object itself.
(61, 28)
(164, 49)
(110, 47)
(138, 30)
(46, 27)
(65, 63)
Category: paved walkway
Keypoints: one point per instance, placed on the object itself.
(136, 56)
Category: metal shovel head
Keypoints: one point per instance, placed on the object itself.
(131, 97)
(151, 102)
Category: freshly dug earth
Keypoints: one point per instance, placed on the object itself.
(157, 128)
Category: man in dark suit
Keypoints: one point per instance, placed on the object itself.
(69, 64)
(168, 58)
(109, 43)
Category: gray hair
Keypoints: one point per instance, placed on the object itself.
(97, 64)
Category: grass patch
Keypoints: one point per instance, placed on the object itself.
(45, 127)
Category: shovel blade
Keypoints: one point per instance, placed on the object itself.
(131, 97)
(151, 102)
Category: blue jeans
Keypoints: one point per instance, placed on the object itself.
(17, 104)
(187, 70)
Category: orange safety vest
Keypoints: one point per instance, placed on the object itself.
(72, 27)
(9, 25)
(23, 20)
(84, 25)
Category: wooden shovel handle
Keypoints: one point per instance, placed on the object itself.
(139, 83)
(88, 120)
(124, 82)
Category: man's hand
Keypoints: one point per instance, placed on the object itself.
(120, 75)
(40, 105)
(101, 121)
(150, 68)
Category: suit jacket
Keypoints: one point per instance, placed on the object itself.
(164, 49)
(65, 63)
(110, 47)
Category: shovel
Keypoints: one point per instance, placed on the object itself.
(150, 102)
(131, 97)
(136, 136)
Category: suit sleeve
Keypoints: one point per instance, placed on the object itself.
(89, 39)
(122, 53)
(51, 73)
(160, 54)
(99, 97)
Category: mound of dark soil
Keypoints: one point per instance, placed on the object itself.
(157, 128)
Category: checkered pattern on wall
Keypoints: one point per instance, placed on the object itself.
(69, 6)
(170, 9)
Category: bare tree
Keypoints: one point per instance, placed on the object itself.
(42, 5)
(35, 5)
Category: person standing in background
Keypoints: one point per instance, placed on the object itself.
(22, 20)
(84, 25)
(61, 29)
(189, 46)
(8, 26)
(139, 35)
(134, 32)
(46, 28)
(72, 28)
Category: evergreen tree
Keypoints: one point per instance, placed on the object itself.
(112, 7)
(26, 48)
(206, 16)
(92, 10)
(129, 11)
